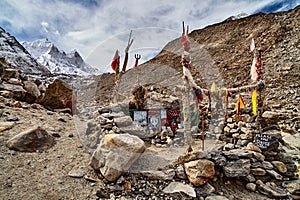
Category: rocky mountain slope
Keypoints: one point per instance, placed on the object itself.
(18, 56)
(56, 61)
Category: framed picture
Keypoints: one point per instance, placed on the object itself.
(140, 117)
(154, 121)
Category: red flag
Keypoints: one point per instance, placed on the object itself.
(115, 64)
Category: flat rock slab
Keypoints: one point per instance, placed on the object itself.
(31, 140)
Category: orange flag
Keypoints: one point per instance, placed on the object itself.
(240, 103)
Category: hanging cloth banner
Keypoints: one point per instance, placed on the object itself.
(254, 105)
(239, 104)
(115, 64)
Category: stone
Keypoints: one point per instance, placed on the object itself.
(14, 81)
(242, 153)
(42, 88)
(250, 178)
(159, 175)
(12, 119)
(251, 187)
(250, 146)
(271, 115)
(227, 129)
(228, 146)
(267, 165)
(136, 130)
(180, 173)
(199, 171)
(174, 187)
(58, 95)
(31, 140)
(238, 168)
(6, 125)
(17, 104)
(76, 173)
(123, 121)
(272, 191)
(216, 197)
(258, 171)
(230, 120)
(208, 188)
(245, 130)
(219, 160)
(32, 91)
(274, 174)
(280, 166)
(6, 94)
(258, 156)
(231, 126)
(115, 154)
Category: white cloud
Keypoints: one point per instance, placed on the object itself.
(72, 25)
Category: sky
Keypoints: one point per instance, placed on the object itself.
(96, 28)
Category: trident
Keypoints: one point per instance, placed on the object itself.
(137, 57)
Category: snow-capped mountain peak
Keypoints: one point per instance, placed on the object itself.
(58, 61)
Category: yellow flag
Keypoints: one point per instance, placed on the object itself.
(254, 102)
(240, 103)
(213, 87)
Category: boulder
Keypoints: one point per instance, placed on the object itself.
(238, 168)
(174, 187)
(58, 95)
(115, 154)
(199, 171)
(32, 90)
(31, 140)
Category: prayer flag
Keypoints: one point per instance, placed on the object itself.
(115, 65)
(240, 103)
(254, 102)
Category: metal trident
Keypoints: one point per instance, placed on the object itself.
(137, 57)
